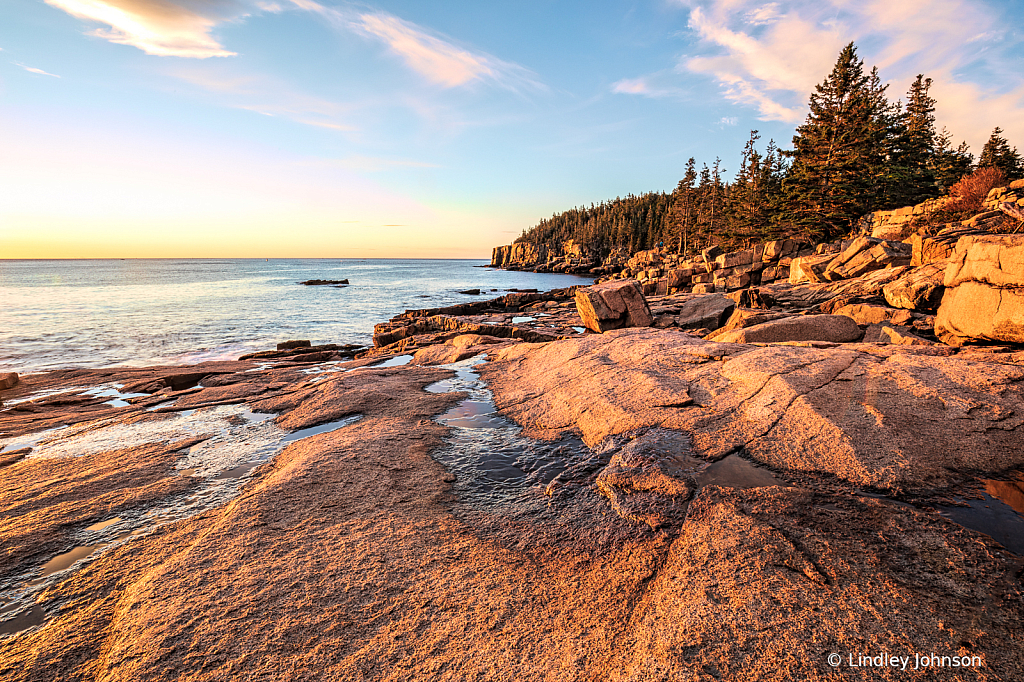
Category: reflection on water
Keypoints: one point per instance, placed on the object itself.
(493, 463)
(235, 441)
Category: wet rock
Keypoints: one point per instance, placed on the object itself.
(920, 289)
(613, 305)
(289, 345)
(471, 292)
(709, 311)
(8, 380)
(323, 282)
(881, 418)
(829, 328)
(984, 295)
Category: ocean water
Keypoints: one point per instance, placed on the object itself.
(97, 313)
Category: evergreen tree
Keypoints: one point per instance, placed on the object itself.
(997, 154)
(683, 211)
(947, 164)
(839, 152)
(914, 149)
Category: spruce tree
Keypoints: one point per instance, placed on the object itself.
(684, 208)
(998, 154)
(949, 164)
(915, 148)
(839, 152)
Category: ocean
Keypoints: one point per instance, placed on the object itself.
(138, 312)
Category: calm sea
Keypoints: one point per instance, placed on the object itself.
(95, 313)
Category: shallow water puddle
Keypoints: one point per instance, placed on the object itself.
(396, 361)
(523, 318)
(990, 516)
(735, 472)
(113, 391)
(236, 441)
(492, 461)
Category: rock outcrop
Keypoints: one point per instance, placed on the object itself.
(984, 295)
(827, 328)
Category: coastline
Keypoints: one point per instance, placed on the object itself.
(734, 510)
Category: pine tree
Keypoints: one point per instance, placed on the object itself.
(839, 152)
(915, 147)
(997, 154)
(947, 164)
(683, 211)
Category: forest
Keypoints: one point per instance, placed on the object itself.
(856, 152)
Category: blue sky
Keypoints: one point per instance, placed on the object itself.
(281, 128)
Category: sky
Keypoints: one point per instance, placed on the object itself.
(322, 128)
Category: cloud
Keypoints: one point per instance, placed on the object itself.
(32, 69)
(166, 28)
(632, 86)
(728, 121)
(435, 58)
(770, 56)
(265, 95)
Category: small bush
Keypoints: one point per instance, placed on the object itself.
(967, 194)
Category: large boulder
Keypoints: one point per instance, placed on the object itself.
(831, 328)
(864, 255)
(919, 289)
(613, 305)
(984, 297)
(709, 311)
(8, 380)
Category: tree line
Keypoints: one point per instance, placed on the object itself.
(856, 152)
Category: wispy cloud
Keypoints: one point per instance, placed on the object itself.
(32, 69)
(265, 95)
(434, 57)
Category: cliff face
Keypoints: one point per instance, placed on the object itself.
(568, 256)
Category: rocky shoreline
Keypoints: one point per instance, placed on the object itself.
(730, 485)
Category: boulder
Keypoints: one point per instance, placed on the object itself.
(8, 380)
(808, 268)
(710, 254)
(779, 248)
(919, 289)
(289, 345)
(752, 298)
(831, 328)
(704, 288)
(984, 296)
(925, 250)
(613, 305)
(902, 336)
(731, 260)
(742, 318)
(864, 255)
(708, 312)
(864, 313)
